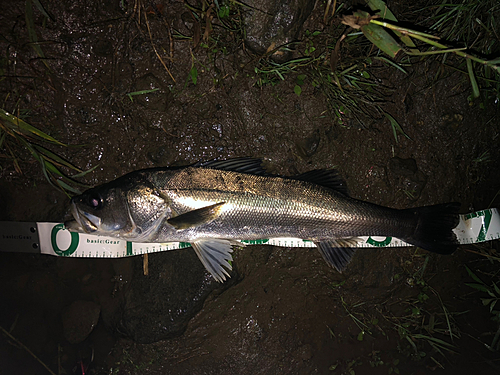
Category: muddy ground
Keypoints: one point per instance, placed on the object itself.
(284, 311)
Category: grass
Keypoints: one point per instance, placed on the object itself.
(16, 133)
(475, 22)
(425, 328)
(349, 84)
(375, 27)
(21, 142)
(425, 332)
(468, 29)
(493, 292)
(340, 63)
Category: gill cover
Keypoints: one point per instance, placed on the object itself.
(128, 207)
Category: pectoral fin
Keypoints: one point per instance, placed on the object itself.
(337, 252)
(215, 254)
(196, 217)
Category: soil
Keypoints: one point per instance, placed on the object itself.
(284, 311)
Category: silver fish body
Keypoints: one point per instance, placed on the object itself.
(213, 204)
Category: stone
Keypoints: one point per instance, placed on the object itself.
(159, 305)
(270, 24)
(79, 320)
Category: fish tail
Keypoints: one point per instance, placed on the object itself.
(434, 230)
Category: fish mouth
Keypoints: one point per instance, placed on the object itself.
(83, 221)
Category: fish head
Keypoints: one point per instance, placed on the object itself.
(125, 209)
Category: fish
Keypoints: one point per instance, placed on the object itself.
(213, 204)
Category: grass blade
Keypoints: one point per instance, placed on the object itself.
(21, 127)
(65, 186)
(386, 60)
(30, 24)
(386, 13)
(381, 38)
(396, 128)
(473, 276)
(472, 77)
(141, 92)
(55, 158)
(81, 174)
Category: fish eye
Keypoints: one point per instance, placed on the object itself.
(95, 200)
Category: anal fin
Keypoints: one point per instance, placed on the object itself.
(337, 252)
(215, 254)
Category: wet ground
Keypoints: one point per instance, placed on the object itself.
(284, 311)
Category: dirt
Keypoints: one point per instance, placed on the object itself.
(286, 311)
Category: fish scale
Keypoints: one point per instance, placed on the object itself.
(262, 207)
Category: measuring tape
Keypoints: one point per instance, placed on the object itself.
(54, 239)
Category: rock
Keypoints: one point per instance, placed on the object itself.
(308, 146)
(160, 305)
(271, 24)
(79, 319)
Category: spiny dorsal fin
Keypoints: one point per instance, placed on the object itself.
(329, 178)
(241, 165)
(325, 177)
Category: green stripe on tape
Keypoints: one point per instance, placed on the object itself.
(75, 240)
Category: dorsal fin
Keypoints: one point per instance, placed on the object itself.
(241, 165)
(329, 178)
(325, 177)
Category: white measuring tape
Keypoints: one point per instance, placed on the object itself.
(54, 239)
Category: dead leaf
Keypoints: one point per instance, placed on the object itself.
(335, 56)
(358, 19)
(208, 23)
(271, 47)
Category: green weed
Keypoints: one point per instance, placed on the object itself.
(423, 331)
(493, 292)
(15, 132)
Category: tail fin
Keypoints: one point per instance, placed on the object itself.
(434, 231)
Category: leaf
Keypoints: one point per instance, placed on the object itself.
(141, 92)
(55, 158)
(473, 276)
(493, 305)
(480, 287)
(42, 10)
(397, 66)
(297, 89)
(472, 78)
(65, 186)
(19, 126)
(2, 138)
(497, 289)
(223, 11)
(30, 24)
(81, 174)
(385, 13)
(381, 38)
(381, 6)
(193, 73)
(395, 127)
